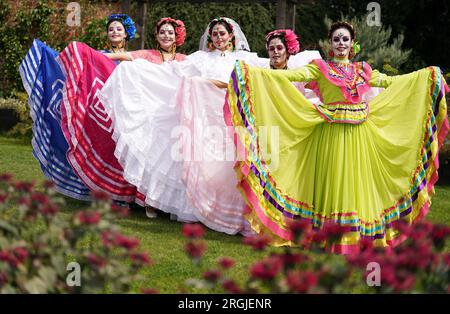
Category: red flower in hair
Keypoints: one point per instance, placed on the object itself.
(290, 38)
(180, 29)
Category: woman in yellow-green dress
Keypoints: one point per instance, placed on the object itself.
(363, 165)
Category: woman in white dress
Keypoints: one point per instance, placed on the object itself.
(171, 136)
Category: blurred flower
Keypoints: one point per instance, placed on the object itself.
(48, 184)
(292, 259)
(89, 217)
(3, 278)
(267, 269)
(50, 210)
(95, 260)
(231, 287)
(140, 259)
(299, 227)
(6, 177)
(128, 243)
(20, 253)
(226, 262)
(193, 231)
(121, 211)
(149, 291)
(301, 281)
(24, 186)
(3, 197)
(195, 250)
(212, 275)
(257, 242)
(39, 198)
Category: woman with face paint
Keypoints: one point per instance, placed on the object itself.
(85, 124)
(44, 80)
(175, 146)
(364, 165)
(169, 34)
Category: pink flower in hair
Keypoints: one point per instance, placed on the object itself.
(180, 29)
(290, 38)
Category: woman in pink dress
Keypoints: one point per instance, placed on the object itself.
(85, 122)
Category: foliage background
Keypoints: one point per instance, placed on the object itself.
(424, 24)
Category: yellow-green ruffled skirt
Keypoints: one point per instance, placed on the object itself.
(297, 164)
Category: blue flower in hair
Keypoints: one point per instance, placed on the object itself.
(127, 22)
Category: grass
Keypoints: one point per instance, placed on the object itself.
(162, 237)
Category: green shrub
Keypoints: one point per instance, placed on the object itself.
(39, 244)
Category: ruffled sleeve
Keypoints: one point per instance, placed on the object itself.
(307, 73)
(303, 58)
(378, 79)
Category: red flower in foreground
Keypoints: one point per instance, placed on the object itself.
(40, 198)
(6, 177)
(330, 231)
(193, 231)
(266, 269)
(231, 287)
(50, 210)
(48, 184)
(195, 250)
(140, 259)
(301, 281)
(89, 217)
(24, 186)
(299, 227)
(95, 260)
(226, 262)
(212, 275)
(122, 211)
(3, 278)
(257, 242)
(149, 291)
(125, 242)
(3, 197)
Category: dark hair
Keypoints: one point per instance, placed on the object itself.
(345, 25)
(220, 22)
(121, 22)
(280, 36)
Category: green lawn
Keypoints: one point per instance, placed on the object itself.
(162, 237)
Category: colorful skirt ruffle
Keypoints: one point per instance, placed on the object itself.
(87, 125)
(140, 98)
(43, 80)
(209, 157)
(363, 176)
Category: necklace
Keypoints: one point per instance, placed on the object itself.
(162, 51)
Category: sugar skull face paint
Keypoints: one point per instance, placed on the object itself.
(277, 53)
(341, 43)
(166, 36)
(221, 37)
(116, 32)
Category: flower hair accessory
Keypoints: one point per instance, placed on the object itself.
(290, 38)
(127, 22)
(180, 29)
(356, 47)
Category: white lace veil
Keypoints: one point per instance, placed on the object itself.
(239, 37)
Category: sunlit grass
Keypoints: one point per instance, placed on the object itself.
(162, 237)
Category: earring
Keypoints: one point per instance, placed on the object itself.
(174, 48)
(351, 53)
(230, 46)
(331, 54)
